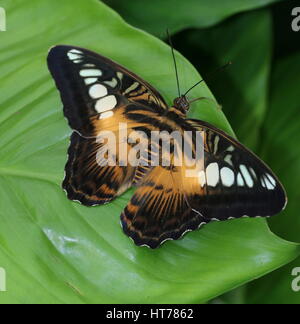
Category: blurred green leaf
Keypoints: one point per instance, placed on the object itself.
(281, 146)
(56, 251)
(233, 297)
(241, 89)
(156, 16)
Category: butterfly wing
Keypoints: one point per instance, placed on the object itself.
(92, 86)
(228, 181)
(159, 209)
(99, 95)
(88, 182)
(234, 181)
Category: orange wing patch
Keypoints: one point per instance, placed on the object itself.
(159, 209)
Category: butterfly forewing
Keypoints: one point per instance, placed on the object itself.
(99, 95)
(234, 181)
(93, 88)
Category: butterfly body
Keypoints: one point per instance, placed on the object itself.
(220, 179)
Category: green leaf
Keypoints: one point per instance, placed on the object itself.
(241, 89)
(56, 251)
(281, 145)
(156, 16)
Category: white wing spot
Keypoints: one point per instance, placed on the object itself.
(106, 114)
(240, 180)
(74, 54)
(228, 158)
(88, 65)
(216, 143)
(120, 75)
(88, 81)
(76, 51)
(227, 176)
(113, 83)
(246, 176)
(97, 91)
(271, 179)
(212, 174)
(90, 73)
(230, 148)
(269, 185)
(132, 87)
(202, 178)
(262, 180)
(253, 172)
(105, 104)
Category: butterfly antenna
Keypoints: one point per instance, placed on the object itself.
(174, 59)
(210, 75)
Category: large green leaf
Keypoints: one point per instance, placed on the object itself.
(281, 145)
(156, 15)
(56, 251)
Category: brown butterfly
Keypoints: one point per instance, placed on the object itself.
(228, 182)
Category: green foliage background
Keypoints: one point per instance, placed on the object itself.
(55, 251)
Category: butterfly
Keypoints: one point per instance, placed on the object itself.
(228, 182)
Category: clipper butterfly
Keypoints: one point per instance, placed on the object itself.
(227, 182)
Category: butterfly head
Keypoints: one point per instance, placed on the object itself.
(181, 103)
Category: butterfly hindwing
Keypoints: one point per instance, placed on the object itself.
(99, 95)
(85, 181)
(159, 210)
